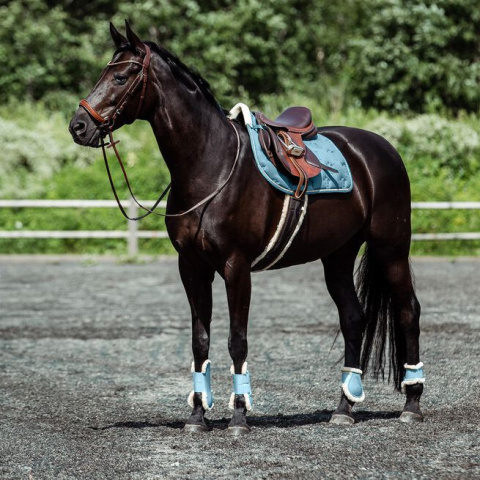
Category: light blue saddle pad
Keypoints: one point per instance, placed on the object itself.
(325, 182)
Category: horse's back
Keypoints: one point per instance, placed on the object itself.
(378, 207)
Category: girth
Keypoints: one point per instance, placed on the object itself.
(282, 140)
(291, 219)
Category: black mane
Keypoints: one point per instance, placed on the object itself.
(177, 64)
(193, 74)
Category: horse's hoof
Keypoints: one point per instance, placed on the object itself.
(410, 417)
(194, 428)
(238, 431)
(340, 419)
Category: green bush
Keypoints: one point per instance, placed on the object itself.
(444, 152)
(34, 148)
(40, 160)
(441, 155)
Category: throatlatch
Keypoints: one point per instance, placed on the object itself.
(352, 384)
(241, 386)
(413, 374)
(202, 383)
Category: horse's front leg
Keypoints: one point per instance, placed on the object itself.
(338, 269)
(238, 285)
(197, 280)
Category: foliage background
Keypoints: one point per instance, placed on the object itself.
(406, 69)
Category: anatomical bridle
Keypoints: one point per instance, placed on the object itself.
(107, 124)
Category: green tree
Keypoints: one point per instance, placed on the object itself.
(250, 48)
(412, 55)
(44, 53)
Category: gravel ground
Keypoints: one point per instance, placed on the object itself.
(95, 359)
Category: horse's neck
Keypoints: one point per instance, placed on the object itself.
(194, 138)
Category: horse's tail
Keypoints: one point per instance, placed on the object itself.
(376, 299)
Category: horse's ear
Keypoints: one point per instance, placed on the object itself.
(117, 37)
(134, 41)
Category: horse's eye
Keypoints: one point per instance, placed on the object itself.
(120, 79)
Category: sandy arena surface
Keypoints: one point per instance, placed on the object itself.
(94, 376)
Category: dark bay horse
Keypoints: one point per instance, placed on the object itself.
(210, 158)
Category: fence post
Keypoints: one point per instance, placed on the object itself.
(132, 229)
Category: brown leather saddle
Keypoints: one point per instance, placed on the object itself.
(282, 140)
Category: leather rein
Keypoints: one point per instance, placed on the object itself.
(107, 124)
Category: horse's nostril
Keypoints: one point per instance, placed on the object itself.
(79, 128)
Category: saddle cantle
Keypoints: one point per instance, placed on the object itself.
(282, 140)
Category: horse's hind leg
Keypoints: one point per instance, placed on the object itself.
(408, 370)
(197, 281)
(339, 269)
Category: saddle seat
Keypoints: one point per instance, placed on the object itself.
(295, 119)
(282, 140)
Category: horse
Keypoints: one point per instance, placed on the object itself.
(221, 214)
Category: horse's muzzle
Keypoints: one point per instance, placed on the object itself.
(84, 131)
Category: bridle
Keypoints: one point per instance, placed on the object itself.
(107, 124)
(109, 121)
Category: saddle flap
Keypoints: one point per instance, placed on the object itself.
(297, 161)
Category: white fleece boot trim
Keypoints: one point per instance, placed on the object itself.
(244, 368)
(352, 370)
(248, 402)
(204, 400)
(204, 366)
(413, 367)
(231, 403)
(190, 399)
(413, 375)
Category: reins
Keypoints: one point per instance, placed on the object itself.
(108, 122)
(155, 205)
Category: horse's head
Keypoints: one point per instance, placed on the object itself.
(118, 97)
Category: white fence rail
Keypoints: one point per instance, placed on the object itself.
(132, 233)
